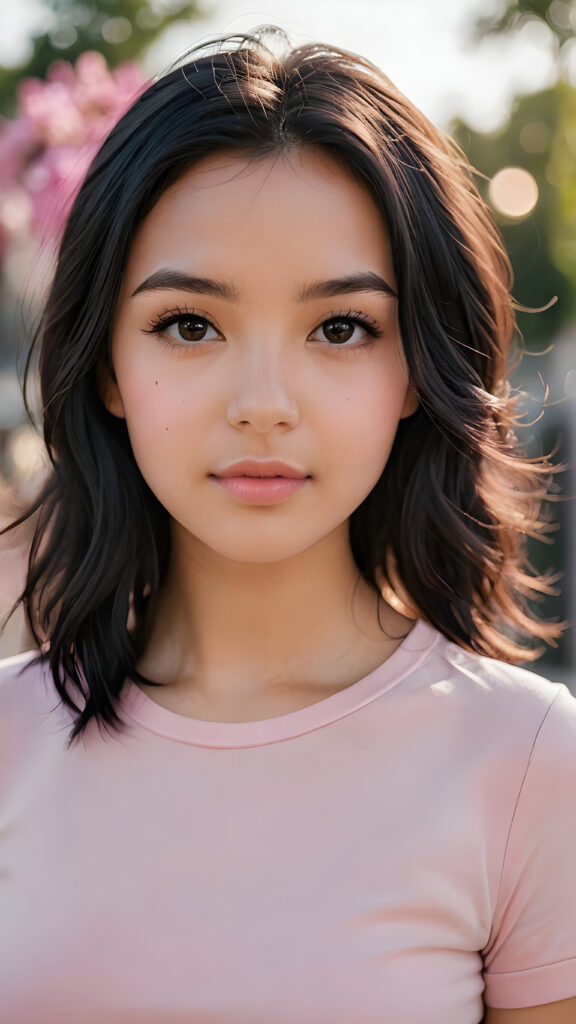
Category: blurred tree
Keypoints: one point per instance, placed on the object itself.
(539, 136)
(119, 29)
(558, 15)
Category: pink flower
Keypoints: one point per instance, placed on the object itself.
(17, 141)
(61, 123)
(52, 183)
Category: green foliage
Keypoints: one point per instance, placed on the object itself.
(558, 15)
(119, 29)
(562, 172)
(540, 136)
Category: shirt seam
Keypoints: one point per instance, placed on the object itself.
(513, 818)
(422, 656)
(529, 970)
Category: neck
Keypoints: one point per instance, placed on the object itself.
(225, 627)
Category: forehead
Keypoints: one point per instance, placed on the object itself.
(296, 209)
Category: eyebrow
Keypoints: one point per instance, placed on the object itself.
(364, 281)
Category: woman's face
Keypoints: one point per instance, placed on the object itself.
(254, 368)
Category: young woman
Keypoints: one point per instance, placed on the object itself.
(278, 583)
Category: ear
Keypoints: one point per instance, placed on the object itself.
(411, 403)
(108, 390)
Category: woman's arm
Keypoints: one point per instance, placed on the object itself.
(563, 1012)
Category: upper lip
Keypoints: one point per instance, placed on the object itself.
(261, 467)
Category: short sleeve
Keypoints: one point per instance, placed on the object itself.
(530, 957)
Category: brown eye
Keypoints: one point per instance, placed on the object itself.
(338, 330)
(190, 328)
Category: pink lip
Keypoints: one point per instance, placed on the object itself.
(260, 467)
(261, 490)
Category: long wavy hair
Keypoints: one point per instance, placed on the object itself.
(447, 522)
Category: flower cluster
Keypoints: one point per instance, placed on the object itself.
(46, 150)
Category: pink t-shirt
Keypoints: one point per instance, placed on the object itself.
(396, 852)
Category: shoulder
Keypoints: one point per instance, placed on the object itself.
(28, 700)
(26, 665)
(25, 691)
(496, 711)
(536, 896)
(497, 686)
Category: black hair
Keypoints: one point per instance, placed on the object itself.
(448, 518)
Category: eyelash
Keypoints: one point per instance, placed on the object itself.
(160, 323)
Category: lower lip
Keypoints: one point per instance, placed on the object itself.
(261, 490)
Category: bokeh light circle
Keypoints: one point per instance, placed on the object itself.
(513, 191)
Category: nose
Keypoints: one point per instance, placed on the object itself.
(262, 393)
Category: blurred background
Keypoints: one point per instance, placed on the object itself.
(499, 75)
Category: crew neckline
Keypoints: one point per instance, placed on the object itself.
(407, 657)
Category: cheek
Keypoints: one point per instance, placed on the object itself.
(358, 437)
(366, 418)
(162, 415)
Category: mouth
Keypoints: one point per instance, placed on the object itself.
(260, 490)
(258, 476)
